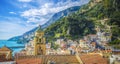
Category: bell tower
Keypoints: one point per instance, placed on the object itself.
(39, 42)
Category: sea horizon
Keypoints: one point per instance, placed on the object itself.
(11, 44)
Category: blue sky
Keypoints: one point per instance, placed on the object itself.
(20, 16)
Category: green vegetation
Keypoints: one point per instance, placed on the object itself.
(113, 12)
(84, 21)
(117, 42)
(55, 46)
(71, 27)
(116, 46)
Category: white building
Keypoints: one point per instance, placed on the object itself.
(114, 58)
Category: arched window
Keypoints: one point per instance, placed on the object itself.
(40, 40)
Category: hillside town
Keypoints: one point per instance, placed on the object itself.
(92, 49)
(60, 32)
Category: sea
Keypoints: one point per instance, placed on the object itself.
(11, 44)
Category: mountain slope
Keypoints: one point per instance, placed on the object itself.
(100, 13)
(60, 15)
(104, 9)
(26, 37)
(97, 13)
(75, 25)
(71, 27)
(30, 34)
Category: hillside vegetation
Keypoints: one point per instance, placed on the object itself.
(29, 35)
(102, 13)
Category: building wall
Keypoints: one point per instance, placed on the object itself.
(7, 53)
(39, 44)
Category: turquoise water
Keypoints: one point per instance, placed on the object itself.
(10, 44)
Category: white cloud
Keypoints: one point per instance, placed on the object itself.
(34, 12)
(48, 9)
(12, 12)
(24, 0)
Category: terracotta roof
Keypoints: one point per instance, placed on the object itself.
(93, 43)
(5, 49)
(29, 61)
(106, 51)
(93, 59)
(3, 58)
(58, 59)
(116, 52)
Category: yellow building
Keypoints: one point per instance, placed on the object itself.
(7, 52)
(39, 42)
